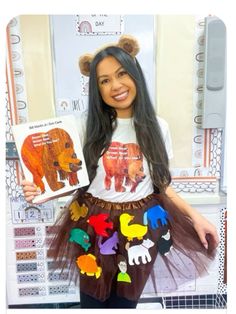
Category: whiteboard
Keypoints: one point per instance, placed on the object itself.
(70, 40)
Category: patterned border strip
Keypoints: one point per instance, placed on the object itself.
(16, 100)
(12, 179)
(195, 185)
(15, 73)
(222, 287)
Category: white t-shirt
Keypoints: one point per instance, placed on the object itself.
(123, 174)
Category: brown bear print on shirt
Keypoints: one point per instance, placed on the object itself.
(124, 163)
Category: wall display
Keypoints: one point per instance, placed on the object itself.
(99, 24)
(72, 36)
(198, 165)
(29, 276)
(207, 143)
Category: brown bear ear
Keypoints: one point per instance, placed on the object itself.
(129, 44)
(84, 64)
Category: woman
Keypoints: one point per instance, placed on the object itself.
(132, 215)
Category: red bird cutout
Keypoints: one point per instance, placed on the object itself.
(99, 224)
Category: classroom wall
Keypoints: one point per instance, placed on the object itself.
(175, 45)
(37, 61)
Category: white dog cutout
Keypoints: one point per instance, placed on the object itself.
(141, 250)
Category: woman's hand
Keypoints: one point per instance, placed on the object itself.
(30, 190)
(206, 231)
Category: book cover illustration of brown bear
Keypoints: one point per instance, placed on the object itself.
(51, 155)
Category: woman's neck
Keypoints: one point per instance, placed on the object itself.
(125, 113)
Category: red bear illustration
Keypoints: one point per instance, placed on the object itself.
(124, 162)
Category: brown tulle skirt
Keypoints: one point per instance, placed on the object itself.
(136, 246)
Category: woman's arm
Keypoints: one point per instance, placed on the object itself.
(202, 226)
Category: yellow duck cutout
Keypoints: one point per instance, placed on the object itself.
(131, 231)
(78, 211)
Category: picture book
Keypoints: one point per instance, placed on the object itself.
(51, 156)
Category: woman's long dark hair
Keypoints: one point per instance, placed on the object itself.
(102, 121)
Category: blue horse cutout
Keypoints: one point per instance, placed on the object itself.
(155, 214)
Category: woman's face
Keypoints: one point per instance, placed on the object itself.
(116, 87)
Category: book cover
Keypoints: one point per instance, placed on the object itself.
(51, 156)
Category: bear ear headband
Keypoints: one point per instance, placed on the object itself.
(126, 42)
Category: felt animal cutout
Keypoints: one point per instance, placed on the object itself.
(139, 251)
(108, 247)
(49, 155)
(122, 265)
(131, 231)
(98, 222)
(124, 163)
(88, 265)
(157, 217)
(165, 243)
(126, 42)
(78, 211)
(80, 237)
